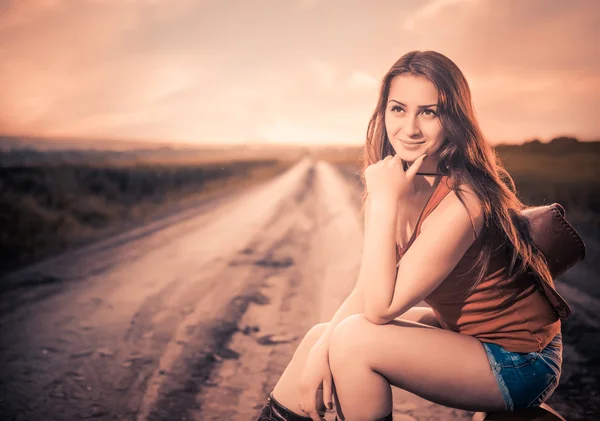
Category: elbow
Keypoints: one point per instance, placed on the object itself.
(376, 318)
(375, 313)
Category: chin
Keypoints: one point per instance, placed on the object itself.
(410, 155)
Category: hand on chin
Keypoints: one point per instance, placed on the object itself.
(410, 156)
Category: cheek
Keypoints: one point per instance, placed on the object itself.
(391, 124)
(434, 131)
(436, 137)
(436, 147)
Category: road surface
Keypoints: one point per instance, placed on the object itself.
(193, 317)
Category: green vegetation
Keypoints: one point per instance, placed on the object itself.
(545, 174)
(48, 208)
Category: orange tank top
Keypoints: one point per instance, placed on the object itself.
(527, 323)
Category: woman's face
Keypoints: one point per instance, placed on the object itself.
(411, 117)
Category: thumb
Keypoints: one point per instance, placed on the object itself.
(327, 392)
(414, 168)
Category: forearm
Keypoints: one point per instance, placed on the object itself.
(353, 304)
(377, 275)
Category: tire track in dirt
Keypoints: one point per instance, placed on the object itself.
(270, 330)
(185, 367)
(91, 349)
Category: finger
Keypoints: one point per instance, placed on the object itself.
(306, 406)
(314, 415)
(398, 161)
(327, 392)
(414, 168)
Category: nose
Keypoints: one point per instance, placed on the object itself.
(411, 126)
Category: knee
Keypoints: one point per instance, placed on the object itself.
(348, 339)
(310, 339)
(315, 332)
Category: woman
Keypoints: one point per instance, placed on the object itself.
(442, 225)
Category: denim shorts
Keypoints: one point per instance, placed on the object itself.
(526, 380)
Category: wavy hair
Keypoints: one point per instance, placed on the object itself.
(466, 158)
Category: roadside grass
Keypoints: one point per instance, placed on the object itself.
(48, 208)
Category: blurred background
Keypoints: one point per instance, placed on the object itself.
(115, 114)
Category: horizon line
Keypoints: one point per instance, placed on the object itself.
(184, 143)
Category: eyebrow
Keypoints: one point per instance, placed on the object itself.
(420, 106)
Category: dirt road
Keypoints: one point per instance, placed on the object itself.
(191, 318)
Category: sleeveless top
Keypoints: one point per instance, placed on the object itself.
(527, 323)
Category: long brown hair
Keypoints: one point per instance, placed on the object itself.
(466, 158)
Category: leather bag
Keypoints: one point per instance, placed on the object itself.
(560, 244)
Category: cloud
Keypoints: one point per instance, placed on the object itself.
(15, 13)
(328, 78)
(419, 18)
(191, 69)
(362, 80)
(308, 4)
(284, 130)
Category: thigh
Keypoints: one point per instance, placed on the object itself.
(439, 365)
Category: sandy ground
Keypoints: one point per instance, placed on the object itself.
(195, 317)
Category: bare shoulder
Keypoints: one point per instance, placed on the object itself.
(452, 209)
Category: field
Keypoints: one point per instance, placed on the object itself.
(54, 200)
(569, 177)
(57, 200)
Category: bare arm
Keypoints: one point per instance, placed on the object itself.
(425, 265)
(378, 265)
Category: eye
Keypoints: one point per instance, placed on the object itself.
(396, 108)
(429, 111)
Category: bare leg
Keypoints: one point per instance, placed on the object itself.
(439, 365)
(286, 390)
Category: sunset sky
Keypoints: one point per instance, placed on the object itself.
(292, 71)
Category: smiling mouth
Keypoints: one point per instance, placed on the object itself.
(411, 143)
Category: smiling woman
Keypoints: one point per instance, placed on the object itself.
(413, 128)
(493, 342)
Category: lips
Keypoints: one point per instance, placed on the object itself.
(412, 143)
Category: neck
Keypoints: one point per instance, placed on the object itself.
(429, 167)
(423, 184)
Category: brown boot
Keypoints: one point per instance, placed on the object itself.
(274, 411)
